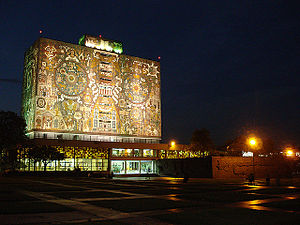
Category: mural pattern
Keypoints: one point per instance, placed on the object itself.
(29, 83)
(84, 90)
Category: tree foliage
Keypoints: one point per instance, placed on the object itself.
(45, 154)
(201, 141)
(264, 145)
(12, 129)
(12, 135)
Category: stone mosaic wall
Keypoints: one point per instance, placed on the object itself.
(76, 89)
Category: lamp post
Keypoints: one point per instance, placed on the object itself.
(252, 142)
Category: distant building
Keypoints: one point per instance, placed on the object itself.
(90, 101)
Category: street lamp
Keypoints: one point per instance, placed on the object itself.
(173, 143)
(252, 142)
(289, 151)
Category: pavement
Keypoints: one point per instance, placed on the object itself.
(147, 200)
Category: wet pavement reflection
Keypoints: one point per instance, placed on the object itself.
(274, 197)
(135, 198)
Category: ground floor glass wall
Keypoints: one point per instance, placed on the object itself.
(68, 165)
(133, 166)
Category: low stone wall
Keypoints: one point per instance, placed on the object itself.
(195, 167)
(225, 167)
(241, 167)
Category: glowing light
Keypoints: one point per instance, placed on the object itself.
(41, 31)
(289, 153)
(247, 154)
(102, 44)
(100, 36)
(159, 57)
(252, 141)
(173, 143)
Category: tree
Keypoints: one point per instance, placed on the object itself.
(265, 145)
(12, 135)
(45, 154)
(201, 141)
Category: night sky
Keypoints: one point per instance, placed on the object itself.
(228, 66)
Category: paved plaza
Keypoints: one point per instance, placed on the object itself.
(159, 200)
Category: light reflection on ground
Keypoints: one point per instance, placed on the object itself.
(256, 204)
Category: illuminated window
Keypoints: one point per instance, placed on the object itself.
(128, 152)
(136, 153)
(59, 136)
(148, 153)
(133, 167)
(147, 167)
(118, 152)
(118, 167)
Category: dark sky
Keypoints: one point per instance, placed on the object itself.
(228, 66)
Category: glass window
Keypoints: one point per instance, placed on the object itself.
(120, 152)
(118, 167)
(133, 167)
(136, 153)
(117, 152)
(147, 167)
(99, 164)
(128, 152)
(148, 153)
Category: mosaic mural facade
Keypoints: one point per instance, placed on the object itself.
(76, 89)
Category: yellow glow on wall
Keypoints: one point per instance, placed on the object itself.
(79, 90)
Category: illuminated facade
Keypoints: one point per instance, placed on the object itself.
(117, 157)
(99, 107)
(90, 92)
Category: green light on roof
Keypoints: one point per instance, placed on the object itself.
(81, 40)
(118, 48)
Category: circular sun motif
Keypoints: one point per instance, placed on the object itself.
(70, 78)
(136, 88)
(41, 102)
